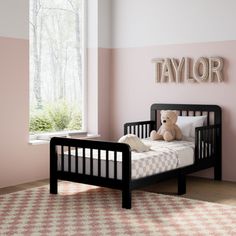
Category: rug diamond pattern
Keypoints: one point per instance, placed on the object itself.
(87, 210)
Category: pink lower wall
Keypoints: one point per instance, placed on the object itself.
(104, 95)
(19, 161)
(99, 71)
(122, 81)
(133, 90)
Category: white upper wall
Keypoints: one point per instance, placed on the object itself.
(137, 23)
(14, 17)
(105, 23)
(99, 23)
(14, 21)
(92, 23)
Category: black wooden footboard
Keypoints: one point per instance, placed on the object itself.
(65, 150)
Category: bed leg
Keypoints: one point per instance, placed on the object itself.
(126, 199)
(181, 184)
(53, 186)
(217, 173)
(53, 167)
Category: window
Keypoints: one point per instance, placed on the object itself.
(57, 66)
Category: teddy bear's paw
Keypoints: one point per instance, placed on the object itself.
(168, 136)
(154, 135)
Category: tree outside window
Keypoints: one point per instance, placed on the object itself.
(56, 65)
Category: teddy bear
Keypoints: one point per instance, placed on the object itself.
(168, 131)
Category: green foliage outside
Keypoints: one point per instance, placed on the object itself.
(40, 123)
(55, 117)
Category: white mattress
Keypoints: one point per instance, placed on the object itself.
(163, 156)
(184, 150)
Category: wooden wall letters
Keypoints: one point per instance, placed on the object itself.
(204, 69)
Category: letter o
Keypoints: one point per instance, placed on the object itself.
(196, 69)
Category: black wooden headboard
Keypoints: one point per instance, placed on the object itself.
(213, 112)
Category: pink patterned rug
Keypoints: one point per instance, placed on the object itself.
(87, 210)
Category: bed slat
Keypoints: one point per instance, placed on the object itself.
(115, 165)
(107, 164)
(200, 145)
(84, 161)
(99, 162)
(76, 161)
(69, 159)
(62, 158)
(212, 142)
(91, 161)
(208, 118)
(204, 144)
(208, 143)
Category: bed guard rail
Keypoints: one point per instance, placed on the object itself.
(208, 143)
(140, 128)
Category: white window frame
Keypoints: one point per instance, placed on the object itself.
(45, 137)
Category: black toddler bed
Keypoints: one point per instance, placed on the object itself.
(86, 161)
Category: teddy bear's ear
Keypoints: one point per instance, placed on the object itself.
(164, 111)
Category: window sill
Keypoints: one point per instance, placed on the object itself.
(76, 136)
(38, 142)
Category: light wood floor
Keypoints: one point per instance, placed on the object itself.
(197, 188)
(201, 189)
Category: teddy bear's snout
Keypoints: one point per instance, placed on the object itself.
(164, 121)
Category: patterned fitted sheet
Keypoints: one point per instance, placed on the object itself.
(163, 156)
